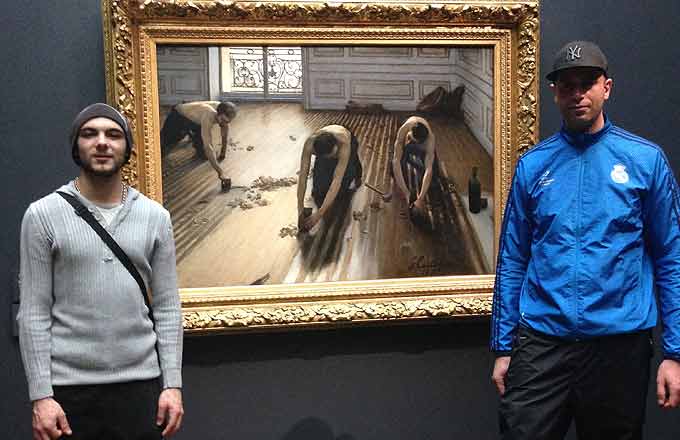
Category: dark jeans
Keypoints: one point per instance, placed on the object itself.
(118, 411)
(599, 383)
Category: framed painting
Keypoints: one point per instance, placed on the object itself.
(326, 164)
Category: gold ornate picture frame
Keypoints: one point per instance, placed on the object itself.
(137, 31)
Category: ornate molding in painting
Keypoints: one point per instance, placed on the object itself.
(133, 31)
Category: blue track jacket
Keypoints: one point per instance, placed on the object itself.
(590, 229)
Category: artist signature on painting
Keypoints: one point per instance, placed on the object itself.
(423, 265)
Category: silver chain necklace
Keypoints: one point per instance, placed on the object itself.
(123, 196)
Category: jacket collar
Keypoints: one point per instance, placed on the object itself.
(584, 140)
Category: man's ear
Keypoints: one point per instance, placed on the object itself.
(608, 84)
(554, 91)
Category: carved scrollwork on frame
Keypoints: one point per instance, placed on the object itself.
(498, 12)
(315, 34)
(330, 313)
(527, 111)
(119, 65)
(338, 305)
(134, 28)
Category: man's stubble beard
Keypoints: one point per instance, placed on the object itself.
(90, 171)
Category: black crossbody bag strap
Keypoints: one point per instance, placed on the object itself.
(86, 215)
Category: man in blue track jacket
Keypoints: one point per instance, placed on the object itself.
(591, 231)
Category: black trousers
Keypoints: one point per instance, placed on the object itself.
(176, 127)
(415, 156)
(600, 384)
(119, 411)
(324, 170)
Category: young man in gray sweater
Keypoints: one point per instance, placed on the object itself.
(96, 364)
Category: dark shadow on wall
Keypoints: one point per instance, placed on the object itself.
(312, 428)
(317, 344)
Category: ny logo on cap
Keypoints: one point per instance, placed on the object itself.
(573, 53)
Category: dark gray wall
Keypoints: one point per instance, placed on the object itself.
(410, 382)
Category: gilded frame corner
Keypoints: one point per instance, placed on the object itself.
(132, 28)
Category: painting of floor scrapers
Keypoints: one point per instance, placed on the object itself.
(281, 135)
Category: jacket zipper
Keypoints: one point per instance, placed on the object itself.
(579, 233)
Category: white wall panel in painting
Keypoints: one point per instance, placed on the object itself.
(214, 73)
(329, 88)
(395, 77)
(182, 74)
(474, 70)
(370, 89)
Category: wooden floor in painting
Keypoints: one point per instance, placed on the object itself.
(219, 243)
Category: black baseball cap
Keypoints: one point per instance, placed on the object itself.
(578, 54)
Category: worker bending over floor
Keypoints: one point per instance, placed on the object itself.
(415, 139)
(336, 166)
(196, 119)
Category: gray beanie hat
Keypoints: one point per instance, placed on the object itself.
(99, 110)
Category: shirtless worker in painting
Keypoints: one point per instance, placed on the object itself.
(196, 119)
(337, 165)
(415, 138)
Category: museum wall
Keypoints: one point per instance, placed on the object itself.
(400, 382)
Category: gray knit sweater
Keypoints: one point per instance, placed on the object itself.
(82, 318)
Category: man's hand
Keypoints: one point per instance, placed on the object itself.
(309, 222)
(500, 369)
(403, 193)
(668, 384)
(49, 420)
(419, 205)
(170, 411)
